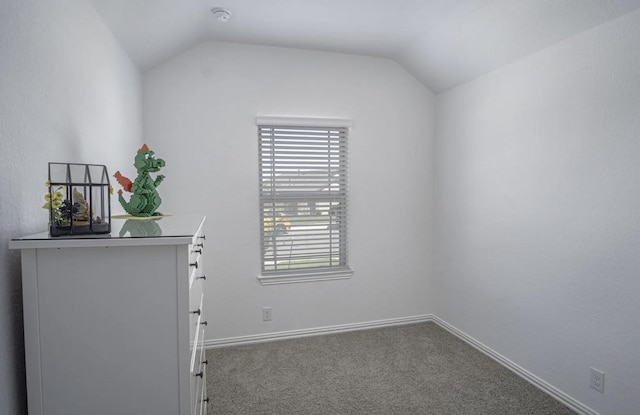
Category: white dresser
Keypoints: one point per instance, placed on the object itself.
(114, 324)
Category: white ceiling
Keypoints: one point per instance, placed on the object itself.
(441, 42)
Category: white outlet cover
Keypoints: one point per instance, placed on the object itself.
(597, 380)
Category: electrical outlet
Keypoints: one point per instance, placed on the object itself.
(266, 314)
(597, 380)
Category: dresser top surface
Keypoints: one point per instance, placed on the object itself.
(125, 231)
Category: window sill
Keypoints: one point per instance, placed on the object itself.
(293, 278)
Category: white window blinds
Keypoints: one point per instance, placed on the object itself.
(303, 198)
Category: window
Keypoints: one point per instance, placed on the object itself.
(303, 199)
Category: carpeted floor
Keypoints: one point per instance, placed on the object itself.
(413, 369)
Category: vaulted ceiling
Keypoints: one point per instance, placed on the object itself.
(441, 42)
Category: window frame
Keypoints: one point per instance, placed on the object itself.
(312, 274)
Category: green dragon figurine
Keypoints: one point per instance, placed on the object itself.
(144, 200)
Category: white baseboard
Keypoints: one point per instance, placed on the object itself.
(292, 334)
(518, 370)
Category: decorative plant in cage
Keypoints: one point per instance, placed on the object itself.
(78, 199)
(53, 202)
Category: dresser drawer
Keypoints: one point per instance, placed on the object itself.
(196, 271)
(196, 281)
(197, 324)
(198, 374)
(200, 406)
(196, 249)
(195, 293)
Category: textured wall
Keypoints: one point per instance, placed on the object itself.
(199, 114)
(538, 207)
(69, 93)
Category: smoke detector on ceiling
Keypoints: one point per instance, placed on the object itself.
(221, 15)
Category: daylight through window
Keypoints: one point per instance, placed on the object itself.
(303, 199)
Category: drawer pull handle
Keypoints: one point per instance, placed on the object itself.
(204, 323)
(201, 245)
(194, 264)
(197, 251)
(206, 400)
(201, 374)
(203, 237)
(205, 362)
(196, 312)
(204, 277)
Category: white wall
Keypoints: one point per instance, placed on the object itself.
(199, 114)
(69, 93)
(538, 207)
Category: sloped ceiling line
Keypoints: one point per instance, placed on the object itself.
(443, 43)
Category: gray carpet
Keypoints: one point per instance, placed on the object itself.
(413, 369)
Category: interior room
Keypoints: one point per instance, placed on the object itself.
(494, 151)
